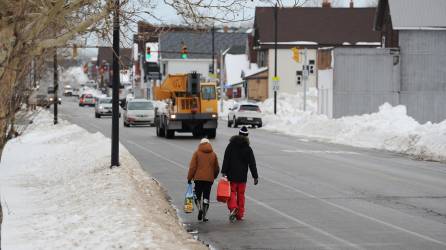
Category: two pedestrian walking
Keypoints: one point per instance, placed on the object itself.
(204, 169)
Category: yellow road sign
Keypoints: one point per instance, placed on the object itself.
(276, 78)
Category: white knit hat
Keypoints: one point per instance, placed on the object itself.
(204, 140)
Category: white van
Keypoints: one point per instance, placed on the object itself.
(139, 112)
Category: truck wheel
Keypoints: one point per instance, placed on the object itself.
(169, 133)
(195, 134)
(97, 115)
(212, 133)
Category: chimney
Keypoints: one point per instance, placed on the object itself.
(326, 4)
(352, 5)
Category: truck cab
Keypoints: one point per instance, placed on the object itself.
(191, 106)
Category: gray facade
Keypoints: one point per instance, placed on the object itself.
(423, 74)
(364, 79)
(199, 44)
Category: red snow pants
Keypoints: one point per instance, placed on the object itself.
(237, 199)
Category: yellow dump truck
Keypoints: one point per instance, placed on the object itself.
(190, 106)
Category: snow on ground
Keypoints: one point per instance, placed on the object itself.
(58, 192)
(389, 129)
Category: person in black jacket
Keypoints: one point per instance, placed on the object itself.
(238, 158)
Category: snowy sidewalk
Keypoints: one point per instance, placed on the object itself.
(58, 192)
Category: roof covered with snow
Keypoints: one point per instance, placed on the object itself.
(234, 66)
(199, 44)
(253, 72)
(413, 14)
(320, 26)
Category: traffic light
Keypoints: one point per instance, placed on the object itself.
(148, 55)
(184, 52)
(296, 54)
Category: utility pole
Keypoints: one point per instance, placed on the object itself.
(221, 82)
(213, 50)
(275, 57)
(305, 75)
(55, 86)
(116, 85)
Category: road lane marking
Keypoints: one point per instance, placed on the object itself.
(156, 154)
(314, 228)
(304, 151)
(357, 213)
(304, 223)
(343, 208)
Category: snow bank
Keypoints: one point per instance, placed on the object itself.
(58, 192)
(389, 129)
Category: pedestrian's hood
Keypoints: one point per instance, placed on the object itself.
(239, 139)
(205, 148)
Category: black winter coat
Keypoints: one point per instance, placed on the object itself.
(238, 158)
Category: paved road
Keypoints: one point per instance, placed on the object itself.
(311, 195)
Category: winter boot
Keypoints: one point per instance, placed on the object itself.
(233, 215)
(205, 209)
(200, 209)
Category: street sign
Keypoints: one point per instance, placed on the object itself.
(276, 85)
(305, 73)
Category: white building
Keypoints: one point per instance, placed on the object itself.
(309, 29)
(199, 50)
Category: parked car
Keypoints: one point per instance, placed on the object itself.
(68, 90)
(87, 99)
(245, 114)
(139, 111)
(42, 100)
(104, 107)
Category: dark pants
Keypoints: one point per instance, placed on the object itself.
(203, 188)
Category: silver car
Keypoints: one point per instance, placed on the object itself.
(139, 112)
(103, 107)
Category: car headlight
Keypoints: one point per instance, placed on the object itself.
(51, 99)
(101, 107)
(173, 116)
(214, 115)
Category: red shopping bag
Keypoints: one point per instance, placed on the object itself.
(223, 190)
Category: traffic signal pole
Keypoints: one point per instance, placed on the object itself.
(55, 86)
(275, 56)
(115, 86)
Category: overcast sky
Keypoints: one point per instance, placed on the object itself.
(170, 16)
